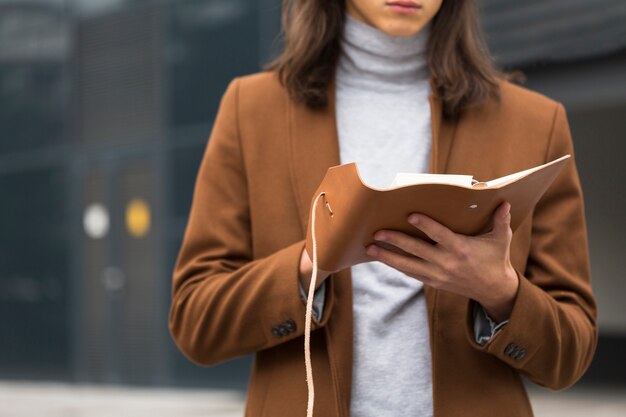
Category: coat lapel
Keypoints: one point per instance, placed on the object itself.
(314, 147)
(442, 134)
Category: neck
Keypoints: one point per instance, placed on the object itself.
(373, 59)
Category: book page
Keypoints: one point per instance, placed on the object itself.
(407, 178)
(508, 178)
(517, 175)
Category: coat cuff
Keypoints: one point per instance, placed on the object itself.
(319, 300)
(484, 326)
(515, 343)
(322, 303)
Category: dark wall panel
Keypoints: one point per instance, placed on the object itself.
(34, 275)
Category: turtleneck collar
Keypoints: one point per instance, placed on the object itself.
(375, 60)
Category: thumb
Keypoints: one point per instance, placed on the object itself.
(502, 219)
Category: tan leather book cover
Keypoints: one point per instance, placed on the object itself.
(350, 212)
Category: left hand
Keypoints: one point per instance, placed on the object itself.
(476, 267)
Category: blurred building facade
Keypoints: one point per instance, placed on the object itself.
(105, 108)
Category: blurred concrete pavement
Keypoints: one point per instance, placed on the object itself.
(28, 399)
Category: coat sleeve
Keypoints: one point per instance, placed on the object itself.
(552, 334)
(226, 304)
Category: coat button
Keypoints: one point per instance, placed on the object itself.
(514, 352)
(284, 328)
(290, 325)
(279, 330)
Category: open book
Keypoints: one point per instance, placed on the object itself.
(350, 212)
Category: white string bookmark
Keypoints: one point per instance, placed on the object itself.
(308, 316)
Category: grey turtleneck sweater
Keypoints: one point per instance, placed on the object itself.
(383, 123)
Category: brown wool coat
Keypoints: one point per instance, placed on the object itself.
(236, 276)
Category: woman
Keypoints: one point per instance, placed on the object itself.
(447, 329)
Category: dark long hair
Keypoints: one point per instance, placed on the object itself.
(464, 72)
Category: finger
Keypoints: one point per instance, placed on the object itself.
(409, 244)
(417, 268)
(502, 220)
(434, 230)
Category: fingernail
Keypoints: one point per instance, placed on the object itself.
(413, 219)
(372, 250)
(507, 211)
(380, 236)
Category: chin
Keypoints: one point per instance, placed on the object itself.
(402, 28)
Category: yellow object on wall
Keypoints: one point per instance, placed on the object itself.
(138, 217)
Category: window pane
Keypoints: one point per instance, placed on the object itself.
(34, 275)
(211, 42)
(34, 90)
